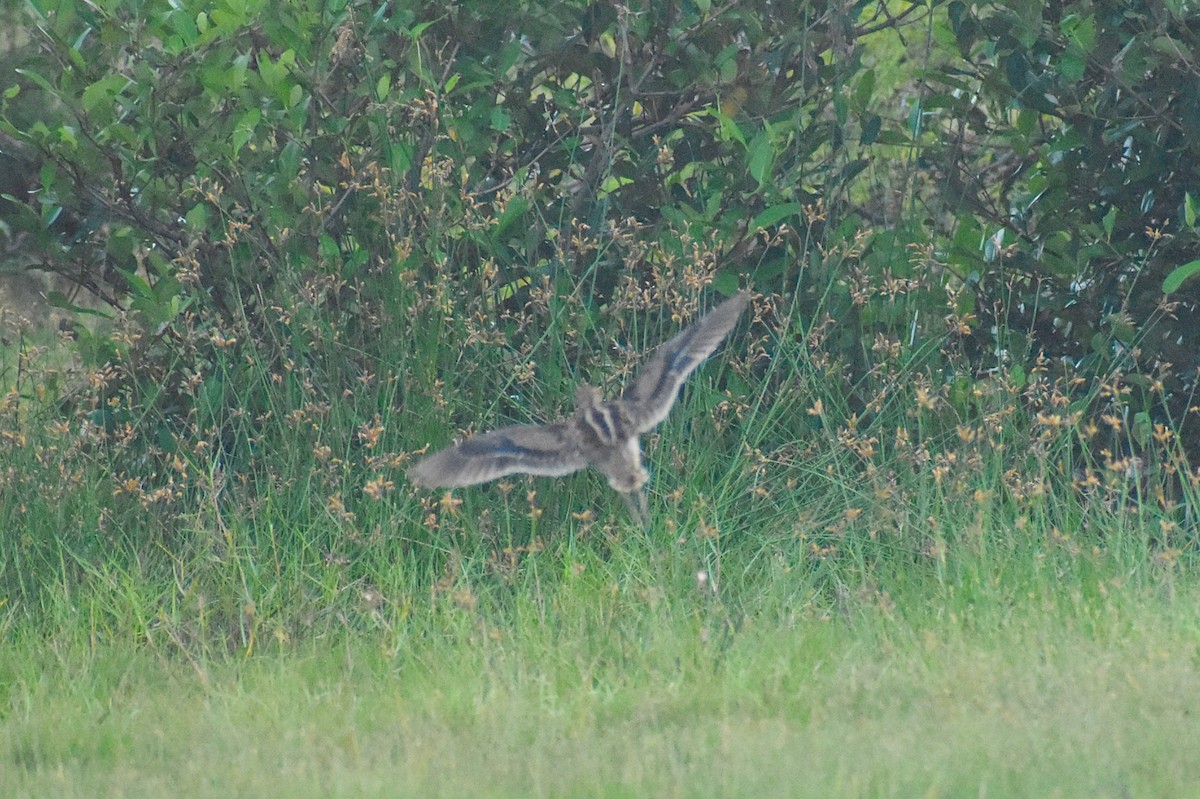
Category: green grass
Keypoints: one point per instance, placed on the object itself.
(1058, 682)
(941, 598)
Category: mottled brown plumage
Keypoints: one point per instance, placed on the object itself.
(600, 434)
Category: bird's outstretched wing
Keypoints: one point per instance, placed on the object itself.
(552, 450)
(649, 398)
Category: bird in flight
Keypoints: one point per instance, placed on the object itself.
(600, 434)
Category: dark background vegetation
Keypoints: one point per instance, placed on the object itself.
(337, 231)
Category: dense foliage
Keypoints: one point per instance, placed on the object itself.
(216, 161)
(1072, 146)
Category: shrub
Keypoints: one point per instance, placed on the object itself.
(1069, 151)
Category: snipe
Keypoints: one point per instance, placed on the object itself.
(600, 434)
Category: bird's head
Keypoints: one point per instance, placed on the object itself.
(587, 397)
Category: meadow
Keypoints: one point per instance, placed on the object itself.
(832, 622)
(1059, 675)
(925, 526)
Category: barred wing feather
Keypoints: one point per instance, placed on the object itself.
(551, 450)
(649, 398)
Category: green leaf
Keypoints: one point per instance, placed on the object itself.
(915, 119)
(330, 250)
(506, 58)
(1027, 120)
(514, 211)
(511, 288)
(727, 65)
(1110, 221)
(289, 160)
(725, 281)
(102, 91)
(1141, 427)
(197, 217)
(400, 156)
(871, 127)
(729, 129)
(893, 137)
(1123, 332)
(137, 284)
(865, 89)
(761, 158)
(1072, 65)
(415, 31)
(1170, 47)
(841, 108)
(500, 119)
(39, 80)
(611, 184)
(1179, 275)
(773, 215)
(1189, 209)
(852, 169)
(243, 131)
(772, 269)
(59, 300)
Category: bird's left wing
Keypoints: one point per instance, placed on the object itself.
(649, 398)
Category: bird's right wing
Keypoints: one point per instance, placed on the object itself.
(552, 450)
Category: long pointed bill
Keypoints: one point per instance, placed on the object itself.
(639, 507)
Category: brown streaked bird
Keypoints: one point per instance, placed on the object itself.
(600, 434)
